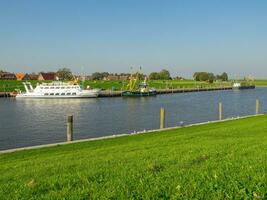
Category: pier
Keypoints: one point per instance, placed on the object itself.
(109, 93)
(5, 94)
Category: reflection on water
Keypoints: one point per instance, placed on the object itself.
(26, 122)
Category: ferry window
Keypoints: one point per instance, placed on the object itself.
(73, 93)
(68, 87)
(46, 94)
(68, 93)
(57, 87)
(51, 87)
(57, 93)
(62, 87)
(51, 94)
(62, 93)
(41, 87)
(46, 87)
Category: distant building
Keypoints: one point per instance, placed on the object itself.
(23, 77)
(89, 78)
(20, 76)
(116, 78)
(179, 78)
(112, 78)
(124, 78)
(33, 76)
(7, 76)
(50, 76)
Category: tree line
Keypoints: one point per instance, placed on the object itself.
(66, 74)
(162, 75)
(210, 77)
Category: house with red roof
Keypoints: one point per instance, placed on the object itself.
(33, 76)
(7, 76)
(23, 77)
(50, 76)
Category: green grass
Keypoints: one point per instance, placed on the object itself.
(224, 160)
(10, 86)
(185, 84)
(260, 82)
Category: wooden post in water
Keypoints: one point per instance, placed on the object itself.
(220, 111)
(70, 129)
(162, 118)
(257, 107)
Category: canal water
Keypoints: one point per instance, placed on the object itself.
(27, 122)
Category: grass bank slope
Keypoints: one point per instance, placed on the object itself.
(12, 85)
(224, 160)
(262, 83)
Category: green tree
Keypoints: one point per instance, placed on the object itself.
(64, 74)
(100, 75)
(211, 77)
(204, 76)
(154, 76)
(224, 76)
(164, 74)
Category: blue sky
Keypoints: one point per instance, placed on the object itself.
(182, 36)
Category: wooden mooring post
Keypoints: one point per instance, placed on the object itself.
(220, 111)
(257, 107)
(70, 128)
(162, 118)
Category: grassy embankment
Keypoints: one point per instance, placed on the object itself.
(224, 160)
(10, 86)
(261, 83)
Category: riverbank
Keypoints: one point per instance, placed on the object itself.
(11, 85)
(211, 161)
(115, 88)
(110, 93)
(4, 94)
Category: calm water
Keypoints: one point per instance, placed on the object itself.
(35, 121)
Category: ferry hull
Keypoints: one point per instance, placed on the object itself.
(42, 96)
(53, 97)
(244, 87)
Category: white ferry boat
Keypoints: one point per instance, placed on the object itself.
(57, 90)
(243, 85)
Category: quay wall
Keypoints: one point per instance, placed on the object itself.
(5, 94)
(109, 93)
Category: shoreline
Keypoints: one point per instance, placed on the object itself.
(6, 151)
(110, 93)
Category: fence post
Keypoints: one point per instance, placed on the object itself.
(162, 118)
(257, 106)
(70, 129)
(220, 111)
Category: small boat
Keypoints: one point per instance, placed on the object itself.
(142, 90)
(56, 89)
(242, 86)
(139, 94)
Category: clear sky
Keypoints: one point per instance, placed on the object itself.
(182, 36)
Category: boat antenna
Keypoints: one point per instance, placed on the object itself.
(82, 76)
